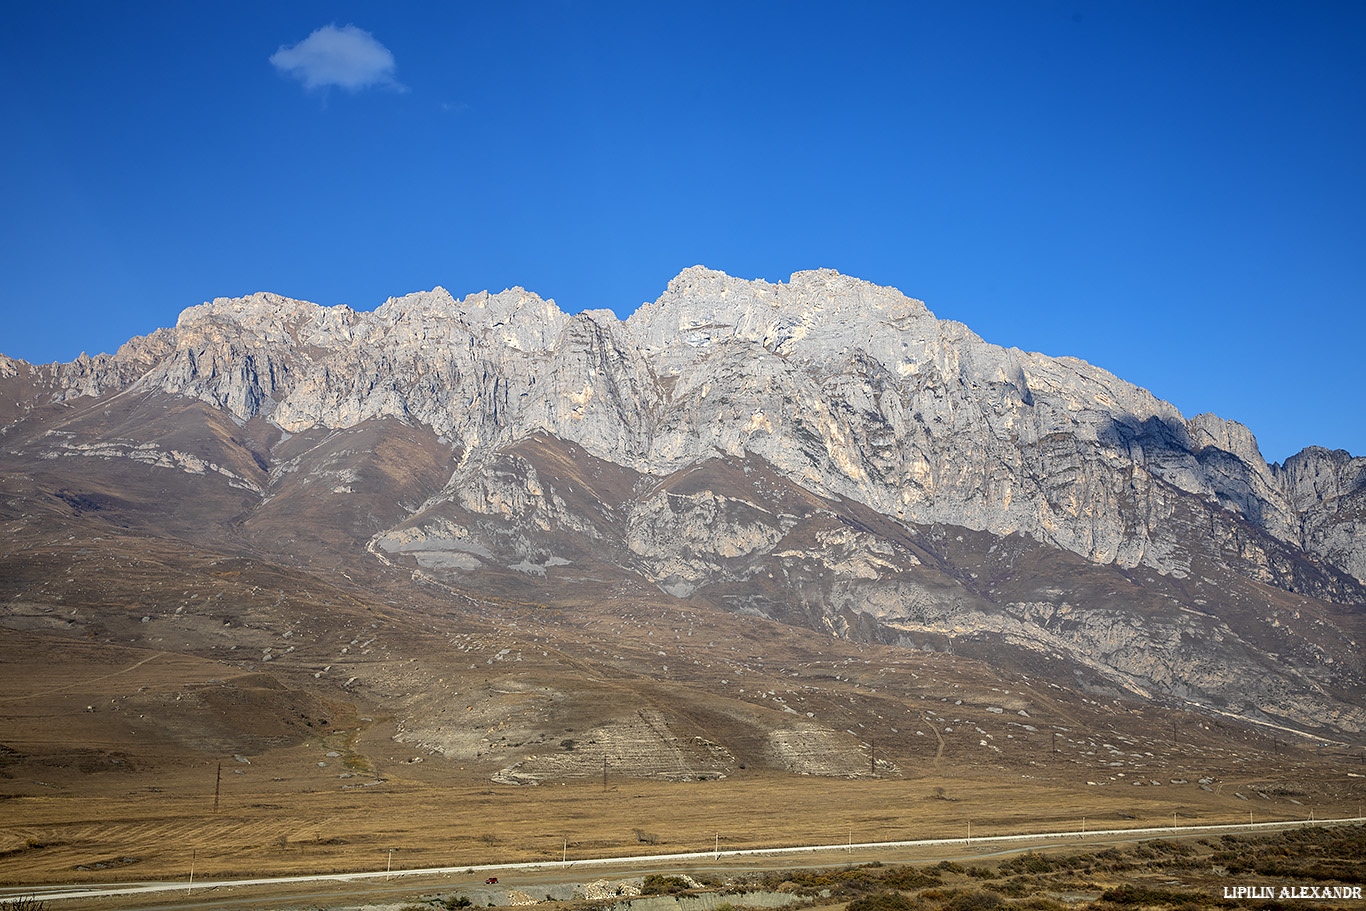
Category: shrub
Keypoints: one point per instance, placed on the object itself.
(910, 878)
(1169, 847)
(856, 880)
(883, 901)
(1013, 887)
(1029, 862)
(656, 884)
(1039, 903)
(802, 879)
(1129, 894)
(972, 901)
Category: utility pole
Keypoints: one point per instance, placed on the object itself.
(194, 852)
(604, 774)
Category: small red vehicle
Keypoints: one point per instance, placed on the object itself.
(491, 880)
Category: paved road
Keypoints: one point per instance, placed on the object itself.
(383, 882)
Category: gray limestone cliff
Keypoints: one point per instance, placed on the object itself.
(1326, 490)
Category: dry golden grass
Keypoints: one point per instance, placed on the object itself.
(272, 831)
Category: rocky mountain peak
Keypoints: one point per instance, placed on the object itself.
(437, 301)
(1230, 436)
(1316, 472)
(255, 312)
(815, 314)
(514, 318)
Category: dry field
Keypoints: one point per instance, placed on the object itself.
(158, 831)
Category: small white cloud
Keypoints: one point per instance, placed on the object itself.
(347, 57)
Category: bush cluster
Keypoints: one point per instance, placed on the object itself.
(884, 901)
(655, 884)
(1135, 895)
(1017, 883)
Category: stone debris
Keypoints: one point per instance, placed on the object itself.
(603, 888)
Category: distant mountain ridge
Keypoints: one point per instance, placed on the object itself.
(786, 449)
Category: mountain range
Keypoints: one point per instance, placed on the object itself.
(823, 458)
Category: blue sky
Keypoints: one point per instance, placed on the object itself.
(1174, 191)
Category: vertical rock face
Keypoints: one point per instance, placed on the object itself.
(848, 416)
(1327, 491)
